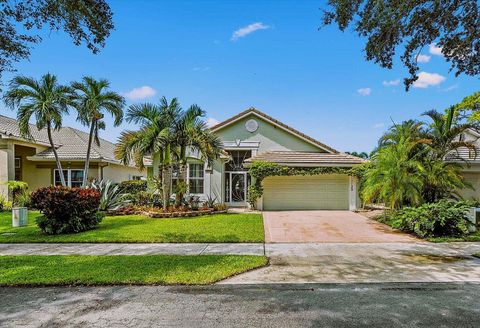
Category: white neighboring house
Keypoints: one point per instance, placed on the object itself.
(33, 161)
(470, 162)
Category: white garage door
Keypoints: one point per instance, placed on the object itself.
(322, 192)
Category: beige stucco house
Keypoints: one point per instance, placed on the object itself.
(33, 161)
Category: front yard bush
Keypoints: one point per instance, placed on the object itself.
(66, 210)
(442, 219)
(132, 187)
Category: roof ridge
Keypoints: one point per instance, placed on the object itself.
(270, 118)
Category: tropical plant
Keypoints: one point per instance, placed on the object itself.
(443, 132)
(444, 218)
(166, 134)
(18, 193)
(45, 100)
(410, 129)
(190, 133)
(153, 139)
(92, 99)
(112, 198)
(393, 177)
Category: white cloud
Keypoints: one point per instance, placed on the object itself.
(364, 91)
(202, 69)
(246, 30)
(212, 122)
(379, 126)
(434, 50)
(423, 58)
(428, 79)
(450, 88)
(391, 83)
(141, 93)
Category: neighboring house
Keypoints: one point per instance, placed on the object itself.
(253, 135)
(33, 161)
(470, 161)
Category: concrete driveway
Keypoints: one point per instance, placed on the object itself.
(328, 227)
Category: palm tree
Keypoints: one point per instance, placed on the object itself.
(153, 139)
(443, 133)
(46, 100)
(191, 133)
(91, 100)
(407, 129)
(394, 177)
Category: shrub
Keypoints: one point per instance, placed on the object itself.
(442, 219)
(66, 210)
(132, 187)
(112, 198)
(18, 193)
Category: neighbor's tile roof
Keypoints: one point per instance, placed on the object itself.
(71, 143)
(269, 118)
(297, 158)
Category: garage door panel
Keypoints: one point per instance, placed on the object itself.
(306, 192)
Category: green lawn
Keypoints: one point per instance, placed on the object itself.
(31, 270)
(136, 228)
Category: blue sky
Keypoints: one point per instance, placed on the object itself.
(227, 56)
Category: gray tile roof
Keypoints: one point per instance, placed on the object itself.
(71, 143)
(296, 158)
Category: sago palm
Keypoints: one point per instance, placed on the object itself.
(92, 100)
(46, 101)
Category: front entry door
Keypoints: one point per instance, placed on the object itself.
(238, 183)
(236, 188)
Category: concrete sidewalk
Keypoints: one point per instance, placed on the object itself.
(366, 263)
(132, 249)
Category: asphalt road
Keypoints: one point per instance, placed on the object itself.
(296, 305)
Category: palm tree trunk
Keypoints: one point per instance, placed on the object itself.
(182, 173)
(59, 164)
(166, 177)
(87, 160)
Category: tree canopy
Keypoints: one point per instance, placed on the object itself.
(87, 22)
(452, 25)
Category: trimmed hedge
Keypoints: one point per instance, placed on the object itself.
(66, 210)
(132, 187)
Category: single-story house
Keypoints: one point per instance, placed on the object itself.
(253, 135)
(33, 161)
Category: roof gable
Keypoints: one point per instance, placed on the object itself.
(271, 120)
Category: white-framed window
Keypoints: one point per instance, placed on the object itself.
(195, 178)
(137, 177)
(73, 178)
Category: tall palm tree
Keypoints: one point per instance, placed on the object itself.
(191, 133)
(46, 100)
(153, 139)
(92, 99)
